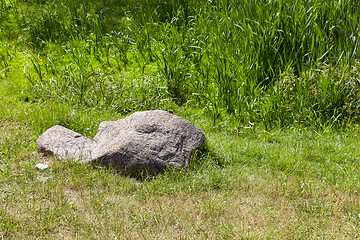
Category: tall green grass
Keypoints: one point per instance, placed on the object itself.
(273, 63)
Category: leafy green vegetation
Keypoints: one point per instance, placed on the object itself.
(260, 61)
(273, 84)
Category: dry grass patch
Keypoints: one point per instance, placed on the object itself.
(260, 212)
(69, 205)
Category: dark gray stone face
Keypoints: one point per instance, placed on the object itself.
(144, 142)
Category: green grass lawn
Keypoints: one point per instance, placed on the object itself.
(289, 183)
(274, 85)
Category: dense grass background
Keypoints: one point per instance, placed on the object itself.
(273, 63)
(273, 84)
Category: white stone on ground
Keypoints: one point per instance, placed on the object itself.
(41, 166)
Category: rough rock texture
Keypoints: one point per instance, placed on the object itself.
(147, 142)
(65, 143)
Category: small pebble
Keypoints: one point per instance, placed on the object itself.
(41, 166)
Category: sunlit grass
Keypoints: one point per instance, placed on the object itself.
(273, 84)
(278, 184)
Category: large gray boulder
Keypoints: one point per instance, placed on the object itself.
(144, 142)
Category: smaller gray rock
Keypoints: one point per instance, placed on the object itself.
(65, 143)
(41, 166)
